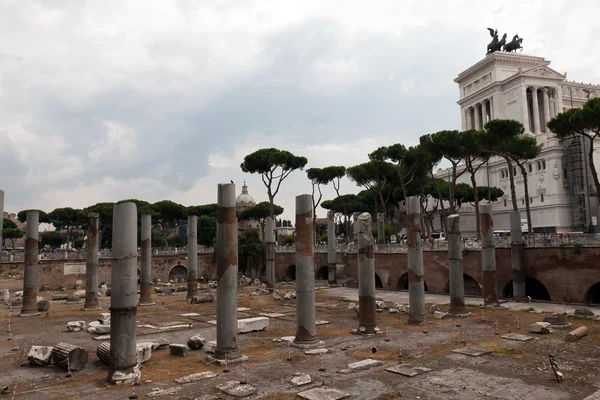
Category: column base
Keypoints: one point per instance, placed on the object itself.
(91, 308)
(29, 314)
(363, 331)
(223, 361)
(459, 314)
(521, 299)
(416, 319)
(309, 345)
(121, 378)
(492, 306)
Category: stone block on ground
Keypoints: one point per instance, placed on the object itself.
(60, 296)
(583, 312)
(195, 377)
(79, 293)
(99, 329)
(75, 326)
(360, 365)
(104, 318)
(517, 336)
(471, 351)
(540, 327)
(313, 352)
(408, 370)
(71, 298)
(236, 389)
(179, 350)
(202, 298)
(196, 342)
(43, 305)
(143, 351)
(39, 355)
(323, 394)
(301, 380)
(252, 324)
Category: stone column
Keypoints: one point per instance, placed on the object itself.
(31, 262)
(492, 114)
(227, 269)
(516, 256)
(123, 299)
(355, 225)
(146, 268)
(1, 225)
(416, 286)
(559, 100)
(536, 110)
(92, 263)
(455, 267)
(380, 228)
(366, 276)
(483, 113)
(547, 115)
(469, 119)
(525, 103)
(331, 254)
(270, 251)
(477, 113)
(488, 256)
(306, 329)
(192, 248)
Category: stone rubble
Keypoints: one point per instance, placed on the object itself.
(179, 350)
(39, 355)
(540, 327)
(196, 342)
(75, 326)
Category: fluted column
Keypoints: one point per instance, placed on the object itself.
(559, 101)
(492, 115)
(477, 117)
(546, 101)
(483, 113)
(469, 119)
(536, 110)
(525, 109)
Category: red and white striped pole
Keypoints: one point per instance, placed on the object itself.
(69, 372)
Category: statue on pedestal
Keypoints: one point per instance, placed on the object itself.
(514, 44)
(495, 44)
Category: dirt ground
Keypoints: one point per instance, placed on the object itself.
(513, 370)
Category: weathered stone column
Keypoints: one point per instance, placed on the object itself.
(123, 299)
(366, 276)
(192, 247)
(536, 109)
(478, 113)
(92, 263)
(1, 225)
(355, 225)
(547, 117)
(516, 257)
(270, 251)
(331, 255)
(306, 328)
(380, 229)
(227, 269)
(525, 104)
(455, 267)
(488, 256)
(146, 267)
(416, 286)
(31, 261)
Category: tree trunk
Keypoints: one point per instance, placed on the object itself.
(476, 200)
(513, 193)
(271, 204)
(527, 208)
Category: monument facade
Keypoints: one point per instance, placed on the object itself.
(506, 85)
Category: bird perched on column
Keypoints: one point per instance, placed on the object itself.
(232, 181)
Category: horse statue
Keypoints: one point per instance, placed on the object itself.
(514, 44)
(492, 46)
(501, 43)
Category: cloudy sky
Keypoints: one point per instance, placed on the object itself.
(106, 100)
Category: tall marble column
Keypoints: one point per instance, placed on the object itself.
(192, 247)
(483, 113)
(146, 268)
(559, 100)
(380, 229)
(367, 319)
(455, 267)
(31, 262)
(536, 110)
(477, 113)
(488, 256)
(517, 256)
(331, 254)
(92, 263)
(469, 119)
(123, 300)
(546, 109)
(270, 251)
(416, 285)
(525, 103)
(492, 113)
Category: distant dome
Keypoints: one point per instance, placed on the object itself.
(244, 199)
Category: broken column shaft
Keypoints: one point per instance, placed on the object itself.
(306, 328)
(488, 256)
(331, 255)
(380, 229)
(92, 263)
(192, 245)
(455, 267)
(31, 262)
(270, 251)
(227, 269)
(123, 300)
(416, 285)
(516, 257)
(366, 276)
(355, 226)
(146, 267)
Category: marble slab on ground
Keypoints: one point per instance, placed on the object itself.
(236, 389)
(279, 310)
(517, 336)
(240, 309)
(195, 377)
(471, 351)
(326, 304)
(408, 370)
(323, 394)
(272, 315)
(360, 365)
(102, 337)
(190, 314)
(313, 352)
(322, 323)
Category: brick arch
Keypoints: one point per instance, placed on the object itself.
(178, 271)
(534, 288)
(471, 286)
(592, 294)
(402, 283)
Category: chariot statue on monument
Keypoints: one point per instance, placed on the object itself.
(495, 44)
(514, 44)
